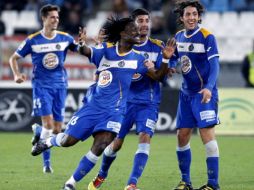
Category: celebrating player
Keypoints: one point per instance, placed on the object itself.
(48, 49)
(142, 106)
(198, 98)
(104, 108)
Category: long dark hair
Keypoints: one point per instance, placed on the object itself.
(113, 27)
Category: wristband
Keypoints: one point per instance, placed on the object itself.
(164, 60)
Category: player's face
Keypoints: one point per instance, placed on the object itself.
(190, 18)
(131, 34)
(51, 21)
(143, 23)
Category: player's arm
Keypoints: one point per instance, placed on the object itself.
(214, 67)
(83, 48)
(167, 53)
(13, 61)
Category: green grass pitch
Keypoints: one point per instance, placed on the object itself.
(20, 171)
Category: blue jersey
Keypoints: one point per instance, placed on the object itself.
(144, 89)
(194, 52)
(115, 72)
(48, 56)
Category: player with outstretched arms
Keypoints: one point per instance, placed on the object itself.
(101, 115)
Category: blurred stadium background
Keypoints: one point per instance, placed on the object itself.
(232, 23)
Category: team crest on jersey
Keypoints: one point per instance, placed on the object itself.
(121, 64)
(185, 64)
(191, 47)
(146, 55)
(50, 61)
(58, 46)
(105, 78)
(137, 77)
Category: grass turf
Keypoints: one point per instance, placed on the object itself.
(20, 170)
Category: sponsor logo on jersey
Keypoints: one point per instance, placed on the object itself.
(186, 64)
(105, 78)
(50, 61)
(137, 77)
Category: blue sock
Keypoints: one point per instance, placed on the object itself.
(184, 162)
(140, 161)
(85, 165)
(38, 131)
(213, 170)
(106, 163)
(46, 157)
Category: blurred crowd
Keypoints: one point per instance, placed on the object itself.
(75, 13)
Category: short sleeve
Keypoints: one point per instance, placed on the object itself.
(97, 54)
(24, 48)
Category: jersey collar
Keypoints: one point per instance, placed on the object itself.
(195, 31)
(144, 43)
(42, 33)
(121, 54)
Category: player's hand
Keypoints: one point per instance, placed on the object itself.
(206, 95)
(149, 64)
(82, 36)
(169, 49)
(171, 71)
(20, 77)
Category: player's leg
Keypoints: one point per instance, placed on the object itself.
(185, 123)
(101, 141)
(146, 118)
(140, 161)
(110, 153)
(212, 156)
(207, 117)
(46, 132)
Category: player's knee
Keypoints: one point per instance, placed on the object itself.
(109, 151)
(183, 138)
(67, 141)
(212, 149)
(117, 145)
(143, 148)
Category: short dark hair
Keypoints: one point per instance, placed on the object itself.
(47, 8)
(113, 27)
(138, 12)
(183, 4)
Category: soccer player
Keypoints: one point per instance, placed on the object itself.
(48, 49)
(142, 107)
(105, 103)
(198, 99)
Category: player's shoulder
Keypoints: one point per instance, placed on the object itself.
(62, 33)
(179, 32)
(205, 32)
(108, 45)
(31, 36)
(156, 42)
(138, 54)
